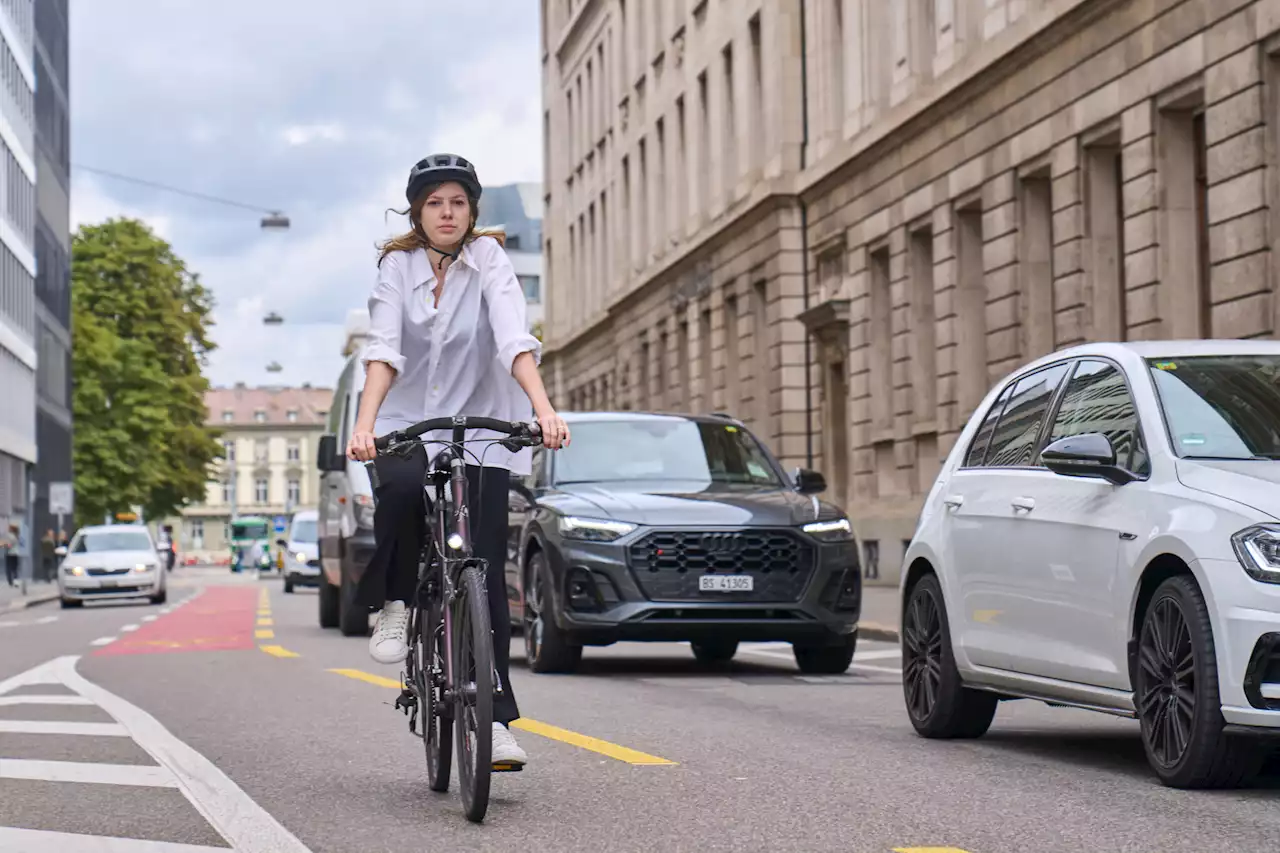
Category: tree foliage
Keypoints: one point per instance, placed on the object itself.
(140, 322)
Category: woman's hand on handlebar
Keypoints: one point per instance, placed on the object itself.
(555, 432)
(360, 447)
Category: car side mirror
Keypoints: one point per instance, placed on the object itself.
(327, 456)
(282, 543)
(809, 482)
(1086, 455)
(60, 551)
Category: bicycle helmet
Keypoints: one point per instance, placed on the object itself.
(439, 168)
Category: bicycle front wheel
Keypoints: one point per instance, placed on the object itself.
(473, 673)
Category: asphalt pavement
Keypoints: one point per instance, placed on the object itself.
(227, 719)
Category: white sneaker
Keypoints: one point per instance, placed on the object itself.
(388, 645)
(505, 748)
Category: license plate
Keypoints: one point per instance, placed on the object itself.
(726, 583)
(108, 584)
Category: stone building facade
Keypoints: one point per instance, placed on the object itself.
(842, 220)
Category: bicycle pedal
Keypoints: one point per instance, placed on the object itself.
(507, 768)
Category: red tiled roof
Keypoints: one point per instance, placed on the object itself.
(276, 403)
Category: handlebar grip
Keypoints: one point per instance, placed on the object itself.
(372, 468)
(384, 441)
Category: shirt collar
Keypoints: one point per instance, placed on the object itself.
(422, 263)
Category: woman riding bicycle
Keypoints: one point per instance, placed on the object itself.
(448, 335)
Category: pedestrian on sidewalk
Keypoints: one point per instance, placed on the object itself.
(10, 546)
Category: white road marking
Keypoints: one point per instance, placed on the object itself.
(45, 620)
(878, 654)
(43, 841)
(127, 628)
(89, 772)
(9, 624)
(46, 727)
(52, 699)
(246, 826)
(151, 618)
(38, 675)
(867, 666)
(103, 641)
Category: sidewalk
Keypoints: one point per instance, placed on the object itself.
(38, 592)
(880, 613)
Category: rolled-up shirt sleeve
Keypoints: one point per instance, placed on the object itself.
(386, 305)
(507, 315)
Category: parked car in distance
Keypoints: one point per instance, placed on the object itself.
(301, 551)
(109, 561)
(652, 527)
(1105, 535)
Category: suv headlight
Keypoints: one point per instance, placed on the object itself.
(593, 529)
(832, 530)
(363, 505)
(1258, 550)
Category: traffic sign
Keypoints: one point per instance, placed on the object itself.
(281, 523)
(61, 499)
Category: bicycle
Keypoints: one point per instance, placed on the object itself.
(449, 673)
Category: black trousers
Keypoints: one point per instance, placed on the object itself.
(400, 530)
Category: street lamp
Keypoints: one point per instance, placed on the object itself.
(272, 319)
(274, 367)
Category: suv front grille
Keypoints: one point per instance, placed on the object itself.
(668, 563)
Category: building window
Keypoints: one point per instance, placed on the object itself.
(294, 450)
(227, 416)
(532, 288)
(260, 450)
(295, 491)
(226, 493)
(871, 558)
(229, 451)
(260, 416)
(197, 533)
(261, 494)
(292, 416)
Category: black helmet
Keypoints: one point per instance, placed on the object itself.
(439, 168)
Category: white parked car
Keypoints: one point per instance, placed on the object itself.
(111, 561)
(1105, 534)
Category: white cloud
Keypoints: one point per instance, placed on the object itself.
(299, 134)
(91, 205)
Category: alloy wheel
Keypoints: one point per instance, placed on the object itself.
(922, 654)
(533, 624)
(1167, 696)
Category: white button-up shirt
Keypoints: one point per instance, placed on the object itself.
(455, 359)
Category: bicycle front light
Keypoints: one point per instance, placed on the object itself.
(1258, 550)
(454, 541)
(833, 530)
(593, 529)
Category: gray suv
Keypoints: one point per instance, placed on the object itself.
(659, 527)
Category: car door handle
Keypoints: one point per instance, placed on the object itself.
(1025, 504)
(954, 501)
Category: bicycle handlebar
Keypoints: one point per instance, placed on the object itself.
(529, 433)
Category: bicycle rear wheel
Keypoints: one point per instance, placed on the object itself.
(437, 723)
(473, 674)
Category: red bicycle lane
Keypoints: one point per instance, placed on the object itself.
(217, 619)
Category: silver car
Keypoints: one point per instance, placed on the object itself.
(301, 551)
(111, 561)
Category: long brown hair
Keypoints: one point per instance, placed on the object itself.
(416, 237)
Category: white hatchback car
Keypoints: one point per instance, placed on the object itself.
(1105, 534)
(111, 561)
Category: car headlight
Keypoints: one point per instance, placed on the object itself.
(1258, 550)
(142, 568)
(593, 529)
(300, 557)
(364, 511)
(77, 571)
(833, 530)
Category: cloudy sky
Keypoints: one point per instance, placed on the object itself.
(315, 107)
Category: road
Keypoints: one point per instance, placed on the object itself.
(228, 719)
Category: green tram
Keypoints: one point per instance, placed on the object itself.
(250, 541)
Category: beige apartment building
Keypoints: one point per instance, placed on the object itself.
(269, 438)
(842, 220)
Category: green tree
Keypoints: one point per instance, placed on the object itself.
(140, 323)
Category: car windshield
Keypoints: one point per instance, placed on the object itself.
(1221, 407)
(304, 530)
(112, 540)
(706, 453)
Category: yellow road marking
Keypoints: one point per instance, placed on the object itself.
(928, 850)
(612, 750)
(265, 611)
(264, 634)
(279, 651)
(364, 676)
(604, 747)
(264, 622)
